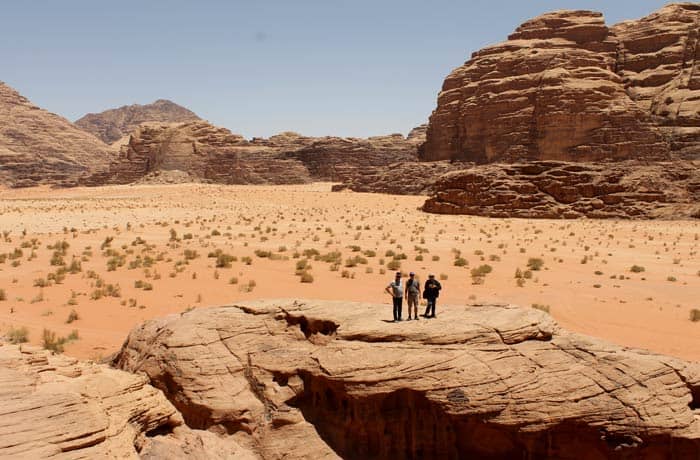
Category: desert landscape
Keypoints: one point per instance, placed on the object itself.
(149, 250)
(170, 288)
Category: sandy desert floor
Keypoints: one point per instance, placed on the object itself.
(101, 260)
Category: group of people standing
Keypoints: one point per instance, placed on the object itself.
(411, 289)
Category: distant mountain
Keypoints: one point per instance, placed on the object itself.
(112, 125)
(39, 147)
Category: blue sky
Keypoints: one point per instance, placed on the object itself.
(350, 68)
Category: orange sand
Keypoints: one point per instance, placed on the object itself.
(643, 310)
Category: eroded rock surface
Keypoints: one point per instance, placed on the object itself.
(566, 87)
(201, 152)
(39, 147)
(114, 124)
(52, 406)
(550, 189)
(321, 379)
(659, 61)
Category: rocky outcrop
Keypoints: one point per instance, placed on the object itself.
(321, 379)
(659, 61)
(52, 406)
(38, 147)
(114, 124)
(338, 159)
(549, 189)
(199, 151)
(405, 178)
(566, 87)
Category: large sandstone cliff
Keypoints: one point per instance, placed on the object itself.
(564, 86)
(320, 379)
(114, 124)
(39, 147)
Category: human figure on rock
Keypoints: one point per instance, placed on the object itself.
(395, 290)
(412, 294)
(431, 291)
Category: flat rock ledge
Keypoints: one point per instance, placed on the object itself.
(322, 379)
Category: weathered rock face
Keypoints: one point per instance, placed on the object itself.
(199, 151)
(338, 159)
(54, 406)
(549, 189)
(112, 125)
(565, 87)
(38, 147)
(405, 178)
(319, 379)
(659, 61)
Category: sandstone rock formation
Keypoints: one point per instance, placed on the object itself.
(320, 379)
(566, 87)
(659, 61)
(337, 159)
(114, 124)
(52, 406)
(38, 147)
(199, 151)
(405, 178)
(550, 189)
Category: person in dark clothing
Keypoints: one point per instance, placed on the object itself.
(395, 290)
(431, 291)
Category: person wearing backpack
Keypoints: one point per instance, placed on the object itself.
(395, 290)
(412, 294)
(431, 291)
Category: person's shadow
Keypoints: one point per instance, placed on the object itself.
(387, 320)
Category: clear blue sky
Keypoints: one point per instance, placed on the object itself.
(351, 68)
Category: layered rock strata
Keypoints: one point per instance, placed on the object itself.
(405, 178)
(39, 147)
(199, 151)
(550, 189)
(659, 62)
(114, 124)
(321, 379)
(566, 87)
(52, 406)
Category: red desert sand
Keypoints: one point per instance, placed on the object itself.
(99, 261)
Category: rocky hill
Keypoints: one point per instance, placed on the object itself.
(114, 124)
(564, 86)
(199, 151)
(39, 147)
(320, 379)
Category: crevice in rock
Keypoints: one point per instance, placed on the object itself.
(411, 425)
(317, 331)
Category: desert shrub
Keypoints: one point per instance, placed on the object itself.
(247, 260)
(3, 295)
(51, 342)
(636, 269)
(17, 336)
(435, 258)
(233, 280)
(460, 262)
(541, 307)
(224, 260)
(306, 277)
(672, 279)
(535, 263)
(443, 276)
(262, 254)
(481, 271)
(393, 264)
(695, 315)
(190, 254)
(72, 316)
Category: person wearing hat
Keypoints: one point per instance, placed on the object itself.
(431, 291)
(395, 290)
(412, 294)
